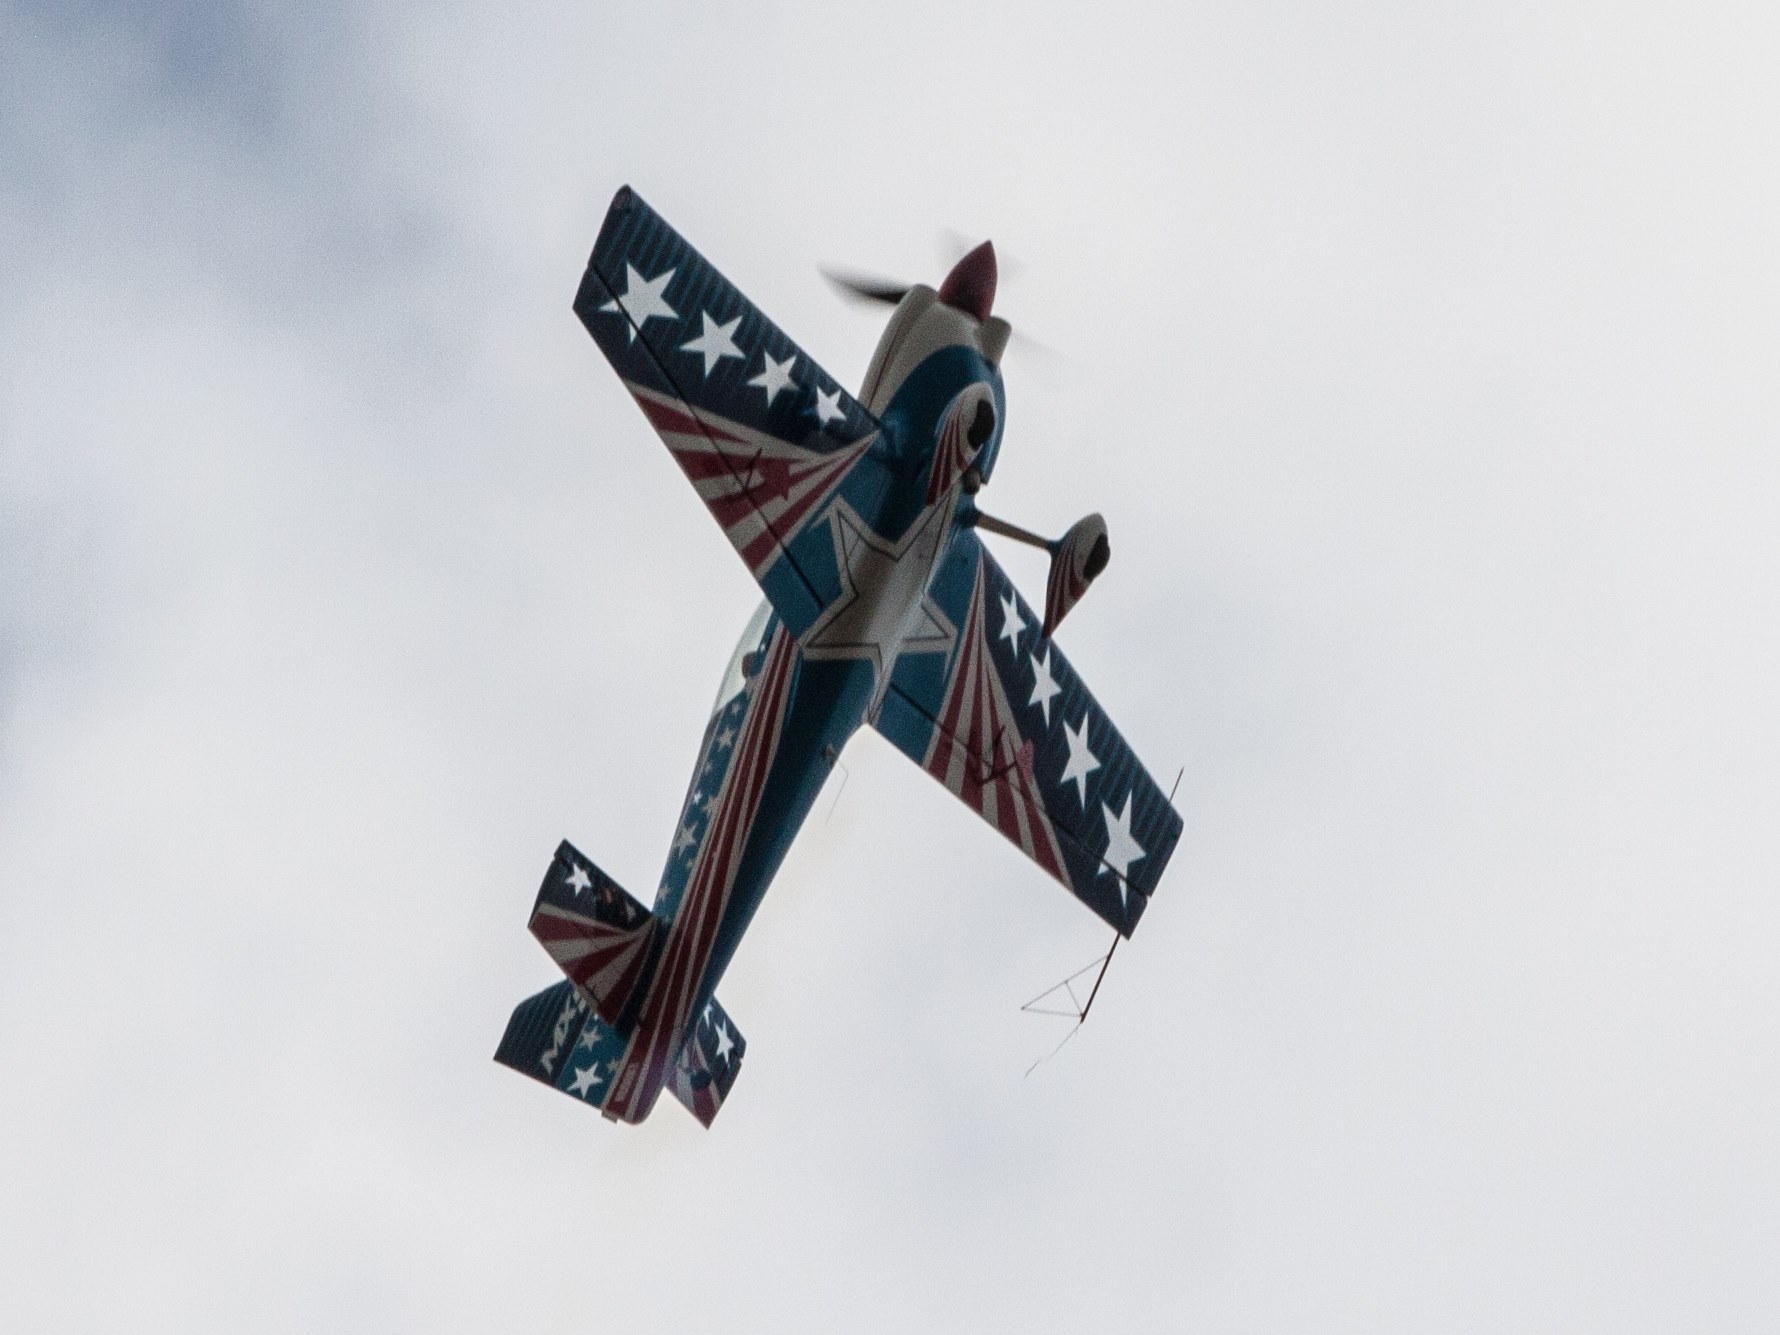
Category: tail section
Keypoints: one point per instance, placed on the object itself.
(573, 1036)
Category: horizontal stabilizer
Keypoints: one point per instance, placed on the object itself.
(708, 1063)
(555, 1037)
(597, 934)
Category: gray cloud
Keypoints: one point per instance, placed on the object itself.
(1422, 365)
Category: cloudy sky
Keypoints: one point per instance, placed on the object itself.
(1422, 359)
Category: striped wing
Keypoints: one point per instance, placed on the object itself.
(763, 433)
(1011, 729)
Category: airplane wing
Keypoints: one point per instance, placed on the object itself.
(763, 433)
(1007, 725)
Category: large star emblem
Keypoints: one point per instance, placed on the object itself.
(883, 609)
(643, 300)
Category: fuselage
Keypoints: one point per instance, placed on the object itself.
(787, 706)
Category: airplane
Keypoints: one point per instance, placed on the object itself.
(858, 519)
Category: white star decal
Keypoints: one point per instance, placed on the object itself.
(1013, 625)
(684, 840)
(884, 609)
(1121, 849)
(725, 1044)
(578, 879)
(774, 376)
(1044, 690)
(1081, 762)
(586, 1078)
(828, 407)
(642, 300)
(715, 342)
(724, 738)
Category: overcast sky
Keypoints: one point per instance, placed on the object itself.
(1423, 361)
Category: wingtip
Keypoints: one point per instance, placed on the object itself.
(622, 203)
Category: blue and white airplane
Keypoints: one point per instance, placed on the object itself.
(858, 519)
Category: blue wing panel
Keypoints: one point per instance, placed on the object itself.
(764, 434)
(1012, 730)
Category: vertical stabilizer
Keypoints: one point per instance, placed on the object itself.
(597, 934)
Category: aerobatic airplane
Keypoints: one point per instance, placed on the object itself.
(858, 519)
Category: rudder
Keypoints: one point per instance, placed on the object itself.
(598, 935)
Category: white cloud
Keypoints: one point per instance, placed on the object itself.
(1421, 364)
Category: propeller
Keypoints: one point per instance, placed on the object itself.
(865, 287)
(970, 285)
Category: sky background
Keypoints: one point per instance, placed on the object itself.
(1422, 359)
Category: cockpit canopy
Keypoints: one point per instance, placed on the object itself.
(744, 661)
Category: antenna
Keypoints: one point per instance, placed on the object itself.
(835, 760)
(1067, 987)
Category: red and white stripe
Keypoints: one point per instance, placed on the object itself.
(953, 452)
(760, 488)
(1069, 578)
(978, 753)
(1063, 591)
(702, 1101)
(601, 958)
(667, 1010)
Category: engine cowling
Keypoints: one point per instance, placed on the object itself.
(1076, 559)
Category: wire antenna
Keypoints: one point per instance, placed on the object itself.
(1043, 1004)
(845, 775)
(1048, 1002)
